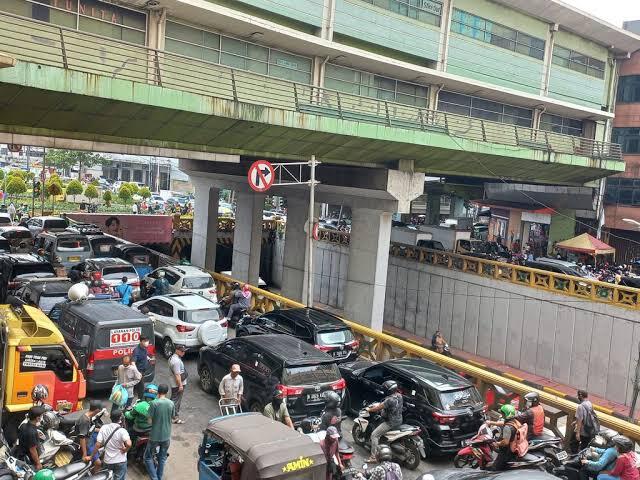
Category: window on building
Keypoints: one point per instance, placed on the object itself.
(425, 11)
(578, 62)
(558, 124)
(487, 31)
(629, 89)
(212, 47)
(137, 176)
(628, 138)
(125, 175)
(92, 16)
(622, 191)
(486, 109)
(367, 84)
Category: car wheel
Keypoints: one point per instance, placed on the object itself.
(206, 379)
(167, 348)
(411, 455)
(358, 435)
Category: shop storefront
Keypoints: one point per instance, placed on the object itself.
(90, 16)
(535, 231)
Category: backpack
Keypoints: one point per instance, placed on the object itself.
(520, 444)
(590, 423)
(389, 472)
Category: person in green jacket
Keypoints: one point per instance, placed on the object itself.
(138, 416)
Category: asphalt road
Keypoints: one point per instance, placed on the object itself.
(198, 407)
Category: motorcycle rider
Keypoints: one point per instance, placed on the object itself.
(240, 299)
(84, 428)
(625, 467)
(386, 469)
(332, 414)
(533, 416)
(605, 461)
(138, 416)
(29, 444)
(505, 447)
(391, 408)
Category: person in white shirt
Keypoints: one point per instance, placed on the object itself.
(116, 442)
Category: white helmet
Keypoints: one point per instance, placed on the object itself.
(78, 292)
(161, 274)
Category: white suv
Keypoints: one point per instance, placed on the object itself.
(184, 279)
(184, 319)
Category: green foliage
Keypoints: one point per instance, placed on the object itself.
(74, 187)
(125, 193)
(144, 192)
(17, 173)
(134, 188)
(95, 182)
(54, 186)
(65, 159)
(16, 186)
(1, 174)
(31, 176)
(107, 197)
(91, 192)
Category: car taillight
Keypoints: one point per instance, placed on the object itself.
(323, 348)
(91, 364)
(347, 456)
(288, 391)
(339, 385)
(135, 284)
(443, 419)
(184, 328)
(13, 285)
(355, 345)
(223, 324)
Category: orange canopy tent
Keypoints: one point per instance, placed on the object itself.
(585, 243)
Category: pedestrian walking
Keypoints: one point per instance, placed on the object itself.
(128, 376)
(116, 442)
(161, 414)
(140, 357)
(124, 291)
(232, 385)
(12, 211)
(587, 425)
(177, 380)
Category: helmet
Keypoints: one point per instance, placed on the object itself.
(40, 393)
(622, 443)
(44, 474)
(151, 391)
(306, 425)
(508, 411)
(607, 436)
(78, 292)
(50, 420)
(331, 400)
(384, 453)
(278, 395)
(532, 399)
(235, 286)
(390, 386)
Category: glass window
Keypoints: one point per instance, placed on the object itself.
(501, 36)
(198, 282)
(578, 62)
(557, 124)
(53, 359)
(629, 89)
(425, 11)
(628, 138)
(335, 337)
(460, 399)
(482, 108)
(117, 272)
(311, 374)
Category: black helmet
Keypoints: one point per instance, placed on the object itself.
(532, 399)
(622, 443)
(390, 386)
(277, 395)
(331, 400)
(235, 286)
(306, 425)
(384, 453)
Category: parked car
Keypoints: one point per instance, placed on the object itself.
(102, 245)
(184, 279)
(16, 269)
(156, 201)
(556, 266)
(114, 329)
(112, 271)
(5, 219)
(63, 248)
(44, 293)
(432, 244)
(19, 238)
(324, 331)
(48, 224)
(446, 406)
(270, 362)
(184, 319)
(137, 255)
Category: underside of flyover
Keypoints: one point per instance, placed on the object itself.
(50, 102)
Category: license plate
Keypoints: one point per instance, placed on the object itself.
(73, 259)
(339, 353)
(562, 455)
(315, 397)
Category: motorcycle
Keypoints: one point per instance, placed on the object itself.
(550, 447)
(478, 453)
(405, 441)
(238, 316)
(310, 427)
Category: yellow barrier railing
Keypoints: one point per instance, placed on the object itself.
(381, 346)
(225, 224)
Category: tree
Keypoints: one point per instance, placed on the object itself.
(65, 159)
(135, 190)
(1, 174)
(144, 192)
(95, 182)
(54, 188)
(91, 192)
(74, 188)
(107, 197)
(125, 194)
(17, 173)
(16, 186)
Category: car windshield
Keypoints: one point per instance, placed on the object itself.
(47, 302)
(197, 282)
(13, 234)
(200, 316)
(456, 399)
(116, 273)
(311, 374)
(39, 270)
(5, 221)
(61, 224)
(335, 337)
(73, 244)
(102, 246)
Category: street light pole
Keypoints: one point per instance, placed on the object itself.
(312, 191)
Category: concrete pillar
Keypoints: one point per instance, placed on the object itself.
(205, 225)
(445, 33)
(548, 59)
(247, 237)
(368, 261)
(432, 213)
(296, 251)
(456, 208)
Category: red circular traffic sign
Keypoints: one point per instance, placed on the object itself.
(261, 175)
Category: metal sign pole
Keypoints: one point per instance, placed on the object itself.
(312, 191)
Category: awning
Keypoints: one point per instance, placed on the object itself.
(585, 243)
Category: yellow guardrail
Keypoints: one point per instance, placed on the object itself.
(381, 346)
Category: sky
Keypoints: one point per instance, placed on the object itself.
(613, 11)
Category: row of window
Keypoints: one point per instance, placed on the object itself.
(578, 62)
(629, 89)
(628, 138)
(425, 11)
(616, 195)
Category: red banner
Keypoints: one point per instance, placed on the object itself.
(141, 229)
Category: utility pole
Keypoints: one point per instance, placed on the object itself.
(43, 177)
(312, 199)
(636, 386)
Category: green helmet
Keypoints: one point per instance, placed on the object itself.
(508, 411)
(44, 474)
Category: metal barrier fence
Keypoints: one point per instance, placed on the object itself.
(43, 43)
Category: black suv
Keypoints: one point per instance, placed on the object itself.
(270, 362)
(446, 406)
(324, 331)
(16, 269)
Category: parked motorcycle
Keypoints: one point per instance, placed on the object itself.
(310, 427)
(405, 441)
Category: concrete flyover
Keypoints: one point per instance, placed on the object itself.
(72, 89)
